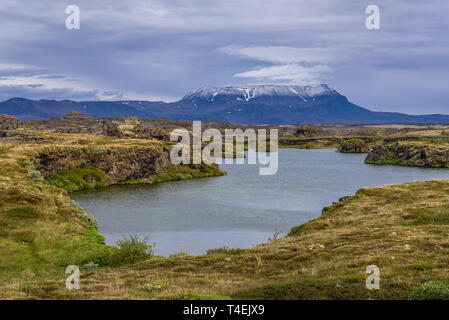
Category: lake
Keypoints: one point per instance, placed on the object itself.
(241, 209)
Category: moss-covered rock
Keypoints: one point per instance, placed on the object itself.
(415, 154)
(354, 146)
(80, 168)
(8, 123)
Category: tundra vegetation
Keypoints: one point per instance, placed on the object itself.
(402, 229)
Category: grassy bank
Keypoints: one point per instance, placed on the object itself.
(42, 231)
(402, 229)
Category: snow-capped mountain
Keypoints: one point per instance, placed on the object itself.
(251, 104)
(267, 104)
(246, 93)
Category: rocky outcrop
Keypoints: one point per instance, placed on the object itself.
(325, 141)
(76, 122)
(124, 127)
(410, 154)
(120, 164)
(305, 131)
(8, 123)
(354, 146)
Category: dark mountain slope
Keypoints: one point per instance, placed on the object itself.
(257, 104)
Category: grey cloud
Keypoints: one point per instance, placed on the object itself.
(163, 49)
(39, 92)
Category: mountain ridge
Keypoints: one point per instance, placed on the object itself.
(249, 104)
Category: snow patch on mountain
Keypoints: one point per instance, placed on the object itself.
(246, 93)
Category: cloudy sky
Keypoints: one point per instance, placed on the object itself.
(160, 50)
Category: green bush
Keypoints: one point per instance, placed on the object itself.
(276, 236)
(431, 290)
(35, 175)
(130, 249)
(91, 267)
(90, 219)
(29, 164)
(133, 249)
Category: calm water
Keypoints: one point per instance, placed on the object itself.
(241, 209)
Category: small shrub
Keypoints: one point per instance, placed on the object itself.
(35, 175)
(151, 287)
(29, 164)
(91, 267)
(76, 205)
(276, 235)
(129, 250)
(133, 249)
(431, 290)
(90, 219)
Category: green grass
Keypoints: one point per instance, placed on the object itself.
(177, 172)
(431, 290)
(23, 212)
(427, 216)
(76, 179)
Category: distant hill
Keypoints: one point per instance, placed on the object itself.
(255, 104)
